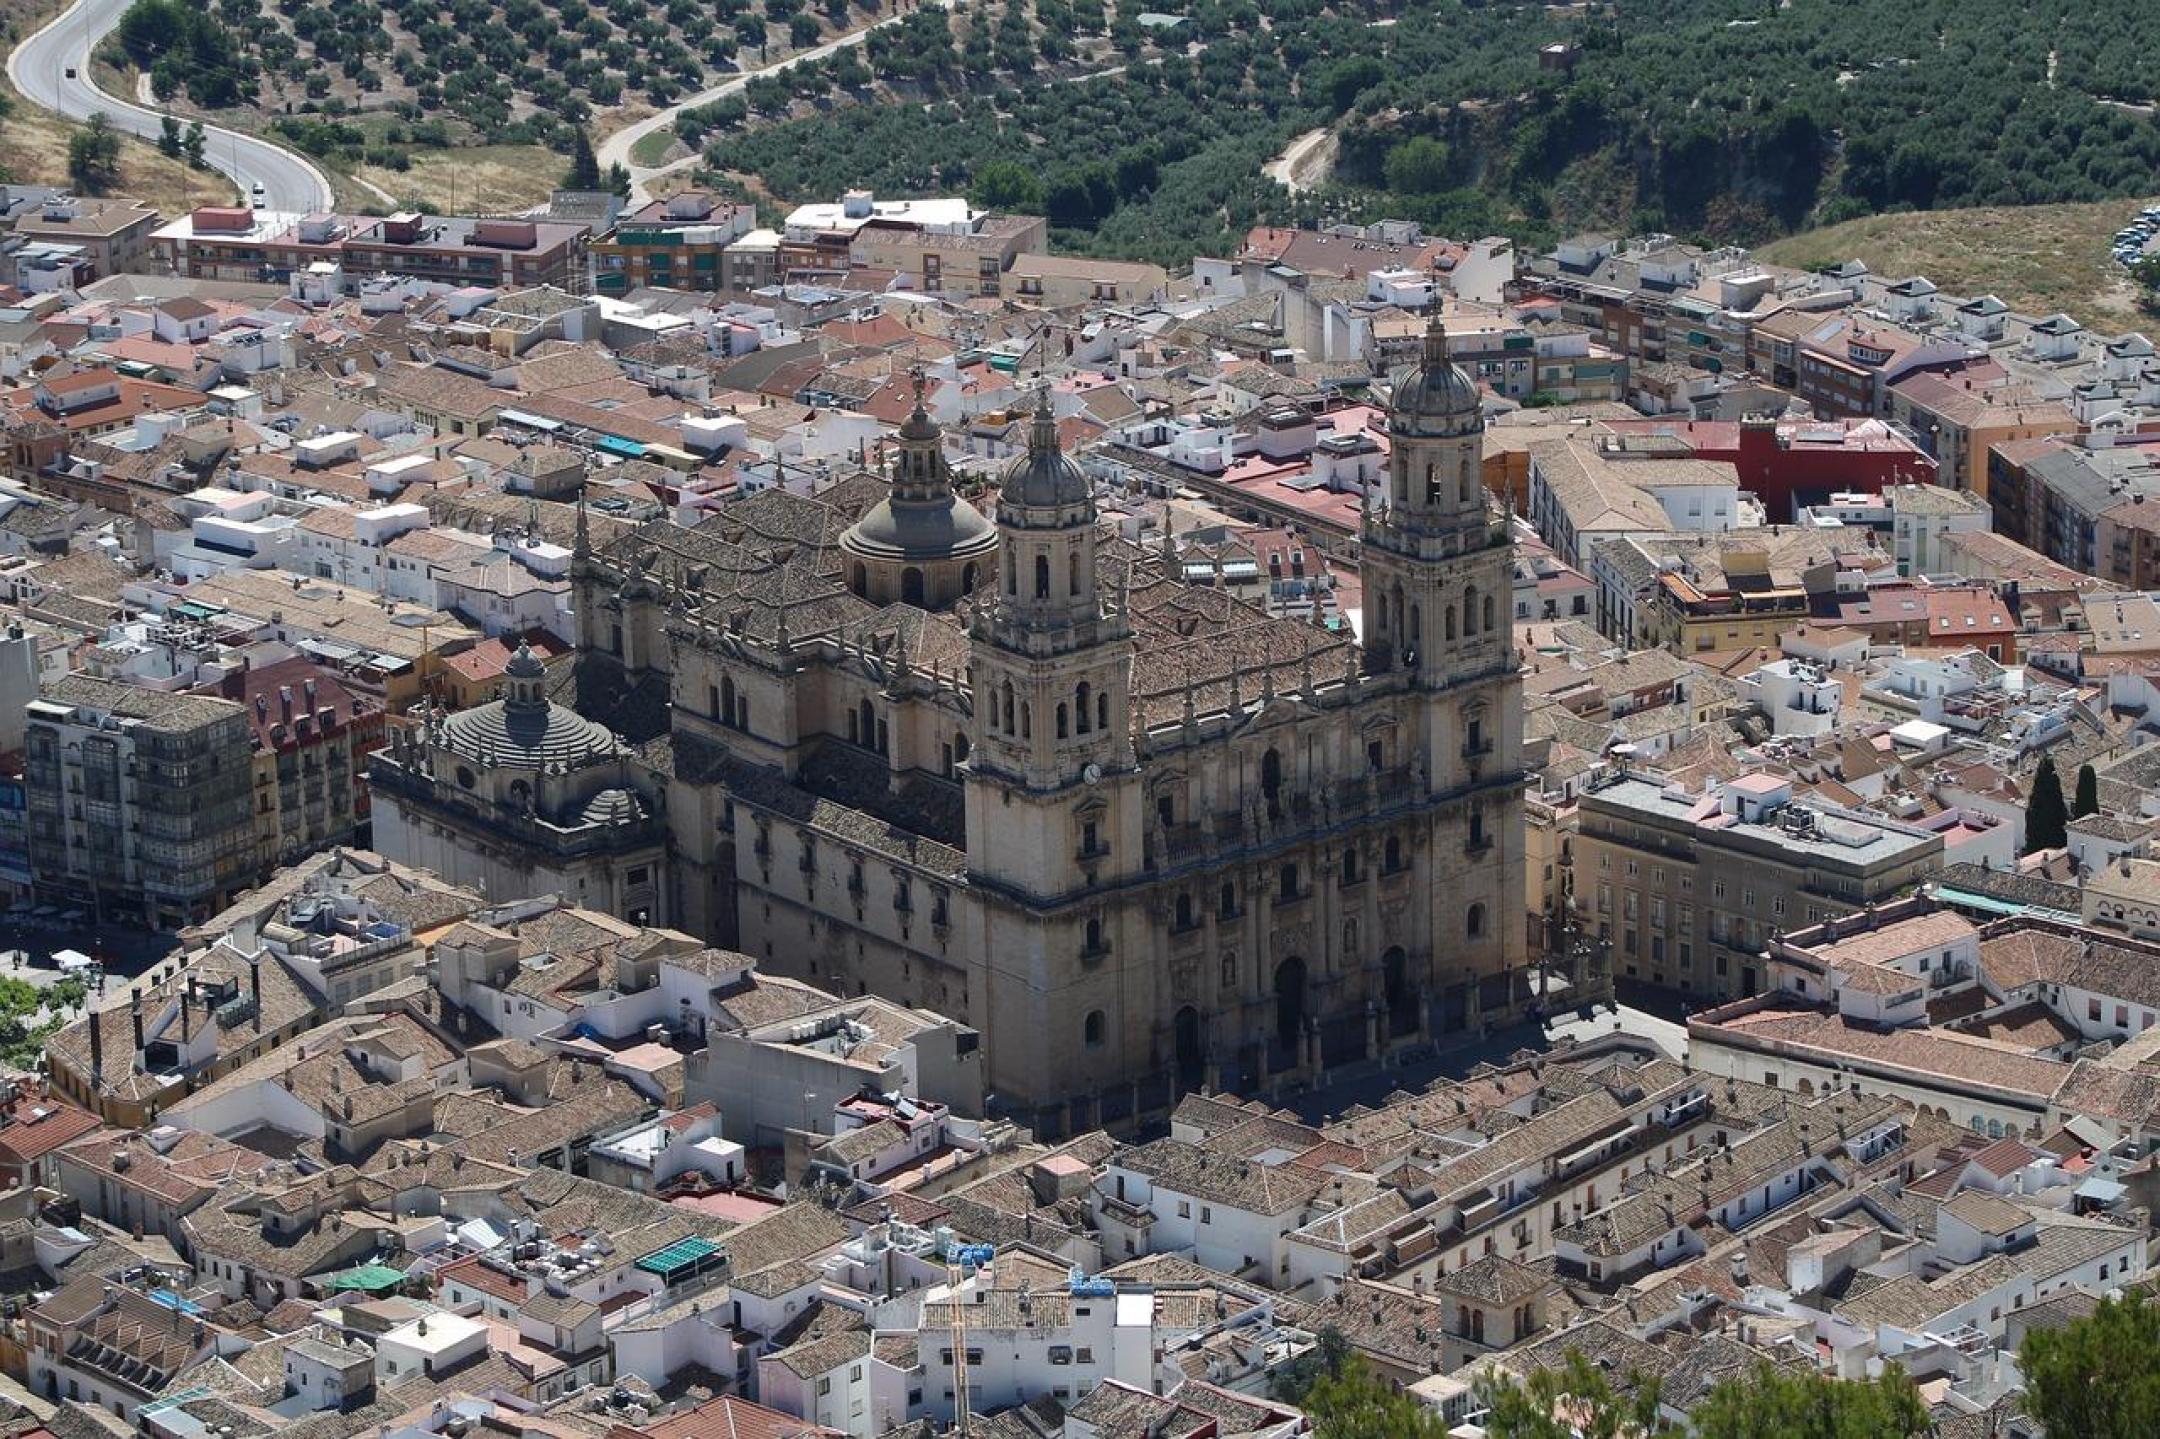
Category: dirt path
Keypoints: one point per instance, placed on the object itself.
(1306, 163)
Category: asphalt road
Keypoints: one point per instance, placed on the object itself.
(39, 67)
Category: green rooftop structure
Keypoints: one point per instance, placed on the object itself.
(374, 1278)
(684, 1259)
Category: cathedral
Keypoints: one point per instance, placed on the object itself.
(1141, 836)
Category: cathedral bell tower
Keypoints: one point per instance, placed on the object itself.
(1052, 793)
(1439, 570)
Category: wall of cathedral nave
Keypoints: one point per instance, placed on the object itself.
(633, 886)
(767, 714)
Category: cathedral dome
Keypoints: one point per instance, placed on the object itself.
(922, 544)
(1436, 396)
(894, 528)
(524, 730)
(1043, 478)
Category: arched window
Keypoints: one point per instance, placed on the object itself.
(1392, 855)
(869, 725)
(1349, 866)
(862, 579)
(742, 713)
(1289, 880)
(1477, 1326)
(1469, 610)
(911, 586)
(1012, 570)
(1082, 710)
(1091, 1029)
(1468, 486)
(1417, 627)
(1184, 911)
(1271, 783)
(1486, 623)
(967, 580)
(1008, 726)
(1061, 719)
(1474, 922)
(1042, 577)
(727, 701)
(1027, 722)
(1226, 904)
(1092, 943)
(1072, 574)
(1448, 625)
(960, 747)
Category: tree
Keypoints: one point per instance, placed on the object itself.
(1006, 186)
(618, 180)
(1418, 166)
(1774, 1403)
(1575, 1402)
(584, 173)
(2096, 1377)
(94, 155)
(192, 143)
(1355, 1403)
(2088, 793)
(168, 140)
(2046, 816)
(1347, 81)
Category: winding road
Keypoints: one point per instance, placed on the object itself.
(615, 150)
(39, 70)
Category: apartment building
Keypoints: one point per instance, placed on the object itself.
(139, 802)
(113, 235)
(675, 243)
(221, 242)
(1691, 887)
(312, 736)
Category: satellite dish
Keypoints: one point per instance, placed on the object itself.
(1092, 774)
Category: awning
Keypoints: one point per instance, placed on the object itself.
(365, 1276)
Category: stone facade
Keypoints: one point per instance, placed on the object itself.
(1143, 836)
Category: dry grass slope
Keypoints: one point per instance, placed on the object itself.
(477, 179)
(34, 144)
(2038, 258)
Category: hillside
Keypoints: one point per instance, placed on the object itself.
(2038, 258)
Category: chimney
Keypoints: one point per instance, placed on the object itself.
(97, 1051)
(284, 695)
(135, 1013)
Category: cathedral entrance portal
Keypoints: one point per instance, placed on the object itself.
(1191, 1062)
(1400, 998)
(1289, 1013)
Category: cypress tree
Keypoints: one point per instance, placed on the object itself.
(2046, 816)
(2088, 793)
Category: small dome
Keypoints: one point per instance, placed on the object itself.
(613, 806)
(1436, 396)
(524, 665)
(1043, 478)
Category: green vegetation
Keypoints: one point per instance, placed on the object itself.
(1717, 119)
(2046, 816)
(1787, 1404)
(21, 1042)
(94, 156)
(2097, 1377)
(2088, 793)
(185, 50)
(1346, 1400)
(1574, 1402)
